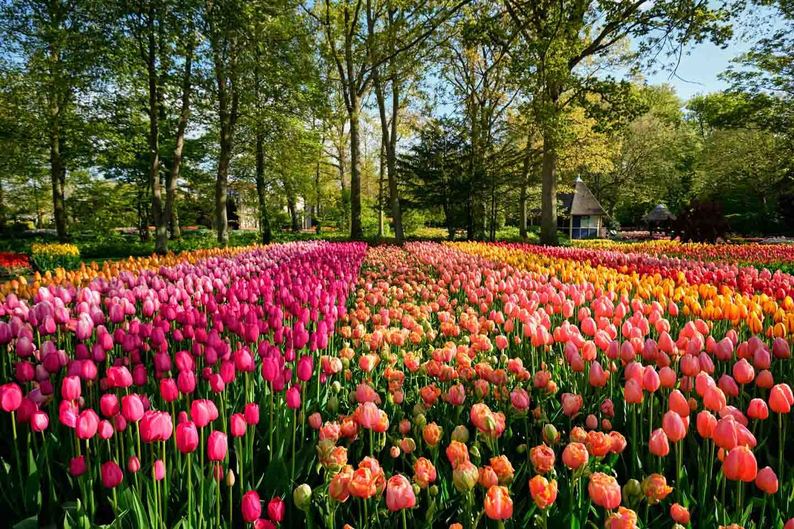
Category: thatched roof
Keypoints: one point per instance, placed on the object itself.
(581, 201)
(658, 214)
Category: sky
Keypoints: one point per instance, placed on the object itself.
(698, 72)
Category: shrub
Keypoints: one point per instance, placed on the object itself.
(701, 221)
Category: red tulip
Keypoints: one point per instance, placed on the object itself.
(216, 446)
(87, 424)
(70, 388)
(10, 397)
(39, 421)
(740, 465)
(132, 408)
(658, 444)
(251, 506)
(399, 493)
(766, 480)
(187, 439)
(673, 426)
(237, 425)
(781, 398)
(111, 474)
(77, 466)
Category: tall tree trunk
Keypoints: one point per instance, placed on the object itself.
(391, 166)
(58, 178)
(3, 212)
(382, 165)
(161, 233)
(184, 114)
(548, 226)
(264, 218)
(522, 200)
(356, 231)
(292, 207)
(228, 101)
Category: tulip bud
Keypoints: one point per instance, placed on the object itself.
(632, 491)
(474, 453)
(461, 434)
(420, 420)
(230, 479)
(302, 496)
(433, 490)
(550, 434)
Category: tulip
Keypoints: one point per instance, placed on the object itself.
(740, 465)
(132, 408)
(766, 480)
(424, 472)
(604, 490)
(655, 488)
(159, 470)
(679, 513)
(39, 421)
(399, 493)
(498, 504)
(302, 497)
(757, 409)
(543, 492)
(542, 458)
(622, 519)
(187, 439)
(658, 444)
(465, 476)
(87, 424)
(70, 388)
(216, 446)
(293, 398)
(251, 506)
(10, 397)
(77, 466)
(673, 426)
(276, 509)
(237, 425)
(111, 474)
(781, 398)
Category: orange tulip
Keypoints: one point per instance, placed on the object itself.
(604, 490)
(498, 504)
(543, 491)
(575, 455)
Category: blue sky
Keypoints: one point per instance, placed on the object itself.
(698, 71)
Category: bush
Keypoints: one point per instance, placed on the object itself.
(701, 221)
(48, 256)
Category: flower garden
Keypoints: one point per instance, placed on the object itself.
(461, 385)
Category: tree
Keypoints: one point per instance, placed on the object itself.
(58, 44)
(224, 25)
(560, 37)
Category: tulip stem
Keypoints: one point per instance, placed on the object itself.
(405, 521)
(16, 453)
(218, 502)
(294, 431)
(189, 491)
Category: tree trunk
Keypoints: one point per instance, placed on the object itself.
(264, 218)
(170, 199)
(525, 169)
(293, 210)
(161, 233)
(380, 186)
(548, 226)
(58, 177)
(356, 231)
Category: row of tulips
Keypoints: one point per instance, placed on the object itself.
(463, 386)
(757, 254)
(760, 312)
(747, 280)
(137, 398)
